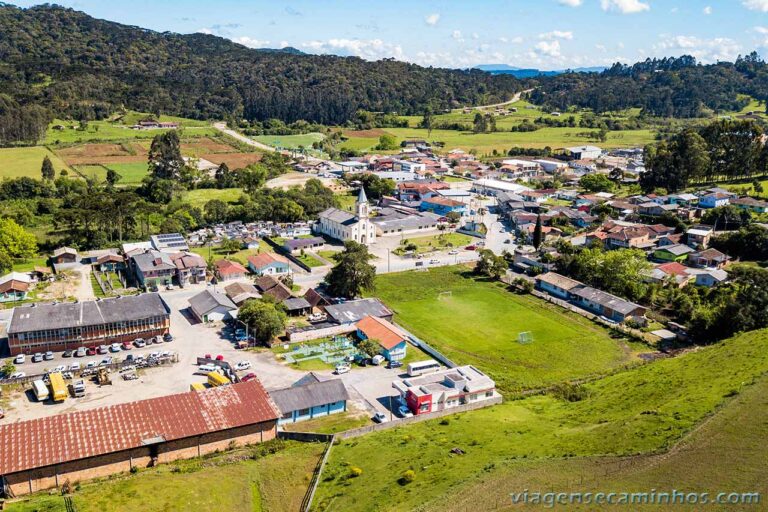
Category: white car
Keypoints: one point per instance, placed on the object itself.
(378, 359)
(59, 369)
(91, 364)
(106, 361)
(102, 349)
(18, 375)
(434, 262)
(380, 417)
(81, 352)
(37, 357)
(20, 359)
(243, 365)
(115, 347)
(206, 368)
(453, 252)
(74, 367)
(343, 368)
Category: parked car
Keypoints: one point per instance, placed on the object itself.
(342, 368)
(453, 252)
(59, 369)
(139, 343)
(394, 364)
(380, 417)
(243, 365)
(20, 359)
(248, 377)
(106, 361)
(378, 359)
(102, 349)
(219, 357)
(208, 356)
(167, 337)
(37, 357)
(206, 368)
(91, 364)
(18, 375)
(115, 347)
(404, 412)
(80, 352)
(434, 261)
(48, 356)
(127, 345)
(470, 248)
(90, 351)
(74, 367)
(507, 241)
(67, 353)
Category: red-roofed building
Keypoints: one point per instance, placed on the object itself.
(229, 270)
(268, 263)
(389, 336)
(46, 452)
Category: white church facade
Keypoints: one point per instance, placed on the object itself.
(345, 226)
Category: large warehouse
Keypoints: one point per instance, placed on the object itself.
(68, 325)
(47, 452)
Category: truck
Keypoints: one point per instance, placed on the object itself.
(216, 379)
(197, 386)
(40, 390)
(59, 391)
(78, 389)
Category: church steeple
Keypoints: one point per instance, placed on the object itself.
(362, 204)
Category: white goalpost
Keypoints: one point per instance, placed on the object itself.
(525, 338)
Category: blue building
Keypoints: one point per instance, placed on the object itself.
(310, 398)
(391, 339)
(442, 206)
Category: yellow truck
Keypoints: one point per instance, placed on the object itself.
(197, 386)
(216, 379)
(59, 391)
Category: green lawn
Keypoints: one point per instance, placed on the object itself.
(18, 162)
(359, 143)
(642, 410)
(30, 264)
(240, 256)
(97, 131)
(230, 481)
(480, 321)
(130, 174)
(485, 143)
(440, 242)
(199, 197)
(290, 141)
(346, 202)
(328, 255)
(309, 260)
(331, 424)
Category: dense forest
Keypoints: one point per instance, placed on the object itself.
(668, 87)
(81, 67)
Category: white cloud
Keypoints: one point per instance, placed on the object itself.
(548, 48)
(705, 50)
(756, 5)
(369, 49)
(601, 47)
(205, 31)
(252, 43)
(624, 6)
(432, 19)
(457, 36)
(475, 35)
(707, 10)
(570, 3)
(503, 39)
(556, 34)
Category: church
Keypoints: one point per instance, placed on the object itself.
(345, 226)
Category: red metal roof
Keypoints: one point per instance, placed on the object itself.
(386, 333)
(78, 435)
(265, 258)
(226, 267)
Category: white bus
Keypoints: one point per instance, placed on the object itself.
(422, 367)
(40, 390)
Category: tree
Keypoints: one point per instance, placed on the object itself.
(224, 177)
(427, 121)
(165, 160)
(387, 142)
(479, 125)
(616, 174)
(264, 319)
(352, 273)
(490, 265)
(596, 183)
(230, 245)
(6, 262)
(112, 177)
(216, 211)
(47, 170)
(453, 217)
(538, 235)
(369, 347)
(8, 368)
(15, 242)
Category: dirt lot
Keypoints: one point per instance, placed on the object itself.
(205, 145)
(233, 160)
(103, 153)
(376, 132)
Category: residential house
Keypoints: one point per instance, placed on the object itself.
(352, 311)
(241, 292)
(392, 340)
(270, 285)
(152, 269)
(678, 253)
(297, 306)
(708, 258)
(627, 237)
(671, 272)
(14, 287)
(445, 389)
(269, 264)
(607, 305)
(699, 236)
(751, 204)
(315, 298)
(64, 255)
(442, 206)
(210, 306)
(190, 268)
(708, 277)
(714, 200)
(310, 398)
(229, 270)
(556, 285)
(552, 166)
(110, 263)
(653, 209)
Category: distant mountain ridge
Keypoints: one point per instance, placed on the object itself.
(506, 69)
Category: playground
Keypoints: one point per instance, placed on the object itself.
(522, 341)
(320, 354)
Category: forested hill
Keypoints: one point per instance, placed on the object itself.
(83, 67)
(669, 87)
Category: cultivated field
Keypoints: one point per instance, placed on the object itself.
(479, 323)
(290, 141)
(643, 410)
(18, 162)
(239, 480)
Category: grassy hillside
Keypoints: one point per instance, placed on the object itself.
(18, 162)
(643, 410)
(480, 321)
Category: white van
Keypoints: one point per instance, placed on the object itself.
(207, 368)
(378, 359)
(40, 390)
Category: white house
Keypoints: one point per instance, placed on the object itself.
(345, 226)
(552, 166)
(210, 306)
(584, 152)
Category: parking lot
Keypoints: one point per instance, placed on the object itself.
(370, 387)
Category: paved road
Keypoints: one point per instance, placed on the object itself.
(222, 127)
(514, 99)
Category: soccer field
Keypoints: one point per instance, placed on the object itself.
(478, 323)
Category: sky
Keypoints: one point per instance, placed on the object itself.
(545, 34)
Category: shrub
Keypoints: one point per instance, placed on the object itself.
(570, 392)
(355, 472)
(407, 477)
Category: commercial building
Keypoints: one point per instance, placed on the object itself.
(445, 389)
(47, 452)
(401, 221)
(56, 327)
(210, 306)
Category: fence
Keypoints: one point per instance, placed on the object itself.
(306, 503)
(436, 354)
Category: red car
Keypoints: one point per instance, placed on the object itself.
(127, 345)
(208, 356)
(470, 248)
(219, 357)
(248, 377)
(90, 351)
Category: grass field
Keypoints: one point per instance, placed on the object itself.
(130, 174)
(240, 256)
(643, 410)
(199, 197)
(485, 143)
(229, 481)
(331, 424)
(426, 244)
(309, 260)
(18, 162)
(480, 322)
(109, 130)
(290, 141)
